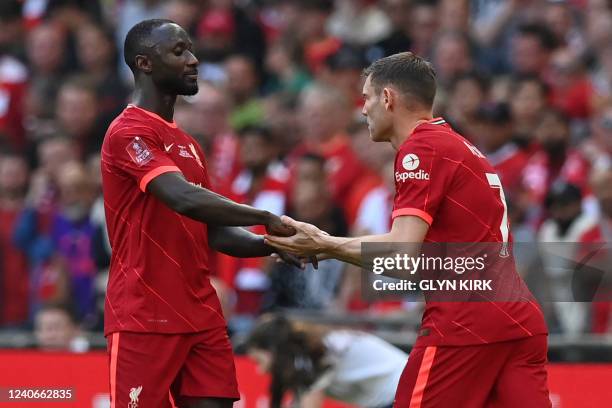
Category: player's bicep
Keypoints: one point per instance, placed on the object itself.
(170, 188)
(409, 228)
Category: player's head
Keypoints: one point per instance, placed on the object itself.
(160, 50)
(393, 84)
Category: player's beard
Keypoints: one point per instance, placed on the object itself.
(178, 86)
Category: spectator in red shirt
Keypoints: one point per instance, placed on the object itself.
(324, 117)
(554, 160)
(528, 99)
(14, 279)
(13, 76)
(494, 138)
(571, 89)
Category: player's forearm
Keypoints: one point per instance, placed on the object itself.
(238, 242)
(211, 208)
(350, 250)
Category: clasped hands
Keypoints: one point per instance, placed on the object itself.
(301, 240)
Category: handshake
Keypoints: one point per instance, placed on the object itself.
(295, 242)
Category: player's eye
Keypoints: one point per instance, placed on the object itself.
(178, 52)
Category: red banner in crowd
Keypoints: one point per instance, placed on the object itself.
(571, 385)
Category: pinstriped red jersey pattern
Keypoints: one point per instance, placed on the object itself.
(442, 178)
(158, 278)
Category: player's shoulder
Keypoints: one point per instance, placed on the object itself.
(130, 122)
(437, 135)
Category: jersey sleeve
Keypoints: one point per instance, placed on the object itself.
(422, 177)
(139, 153)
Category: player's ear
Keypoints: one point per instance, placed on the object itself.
(143, 63)
(388, 97)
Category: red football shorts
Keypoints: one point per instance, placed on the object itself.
(508, 374)
(158, 370)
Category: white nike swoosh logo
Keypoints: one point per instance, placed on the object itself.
(168, 147)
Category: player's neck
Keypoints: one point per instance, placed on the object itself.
(152, 100)
(405, 125)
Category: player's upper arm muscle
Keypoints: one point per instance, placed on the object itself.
(170, 189)
(409, 228)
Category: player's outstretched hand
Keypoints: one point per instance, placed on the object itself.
(275, 226)
(306, 242)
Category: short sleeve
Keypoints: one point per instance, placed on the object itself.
(421, 177)
(139, 153)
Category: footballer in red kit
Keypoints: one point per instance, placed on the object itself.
(167, 339)
(486, 353)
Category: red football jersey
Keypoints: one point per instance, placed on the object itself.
(159, 266)
(443, 179)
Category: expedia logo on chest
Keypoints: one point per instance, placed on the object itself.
(419, 175)
(411, 162)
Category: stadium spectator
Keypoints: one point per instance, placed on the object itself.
(557, 237)
(313, 362)
(56, 330)
(311, 289)
(324, 117)
(466, 94)
(242, 85)
(77, 115)
(601, 232)
(493, 137)
(532, 45)
(98, 59)
(528, 99)
(284, 64)
(554, 160)
(46, 52)
(14, 278)
(423, 26)
(13, 76)
(261, 184)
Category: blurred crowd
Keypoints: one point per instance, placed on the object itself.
(278, 113)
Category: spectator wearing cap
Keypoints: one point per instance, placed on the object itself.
(494, 138)
(558, 236)
(555, 160)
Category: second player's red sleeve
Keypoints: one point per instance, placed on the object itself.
(139, 153)
(421, 180)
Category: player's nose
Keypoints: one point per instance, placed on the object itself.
(192, 61)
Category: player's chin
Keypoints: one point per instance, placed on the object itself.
(189, 89)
